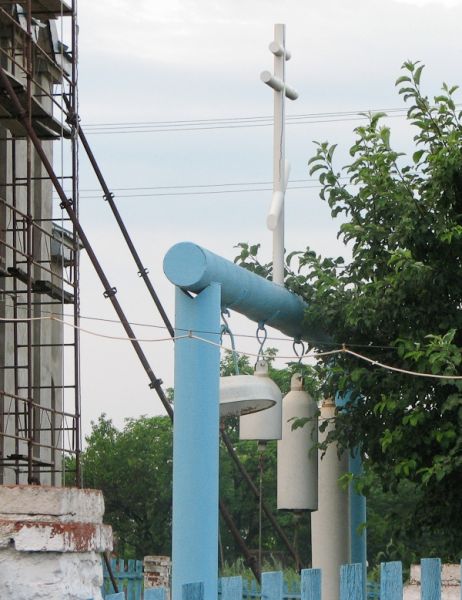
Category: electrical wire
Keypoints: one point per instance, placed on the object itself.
(234, 119)
(294, 358)
(237, 122)
(237, 126)
(46, 313)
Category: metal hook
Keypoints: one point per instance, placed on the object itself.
(297, 354)
(261, 339)
(226, 330)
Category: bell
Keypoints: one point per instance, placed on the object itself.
(297, 463)
(245, 394)
(265, 425)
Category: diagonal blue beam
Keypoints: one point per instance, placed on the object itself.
(193, 268)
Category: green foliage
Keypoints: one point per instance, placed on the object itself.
(398, 301)
(133, 468)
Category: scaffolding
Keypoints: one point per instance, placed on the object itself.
(39, 246)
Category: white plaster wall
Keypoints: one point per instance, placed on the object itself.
(50, 576)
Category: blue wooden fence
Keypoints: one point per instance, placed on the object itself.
(129, 577)
(273, 586)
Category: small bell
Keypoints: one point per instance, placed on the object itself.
(265, 425)
(246, 394)
(297, 464)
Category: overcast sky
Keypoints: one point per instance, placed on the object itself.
(189, 60)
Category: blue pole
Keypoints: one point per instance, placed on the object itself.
(196, 443)
(357, 502)
(193, 268)
(358, 541)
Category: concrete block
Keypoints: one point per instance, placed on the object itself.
(40, 503)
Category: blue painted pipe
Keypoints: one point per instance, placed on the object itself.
(193, 268)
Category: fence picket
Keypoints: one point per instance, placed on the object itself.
(351, 582)
(430, 577)
(193, 591)
(231, 588)
(272, 585)
(391, 581)
(310, 584)
(119, 596)
(154, 594)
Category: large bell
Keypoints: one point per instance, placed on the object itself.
(297, 465)
(264, 425)
(245, 394)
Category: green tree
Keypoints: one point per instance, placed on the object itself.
(133, 468)
(397, 301)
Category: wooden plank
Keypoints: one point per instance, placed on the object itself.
(193, 591)
(430, 574)
(272, 585)
(130, 583)
(310, 584)
(351, 582)
(155, 594)
(391, 581)
(119, 596)
(231, 588)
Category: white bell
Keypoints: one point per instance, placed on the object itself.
(297, 464)
(245, 394)
(265, 425)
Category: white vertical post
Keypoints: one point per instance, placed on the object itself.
(279, 153)
(281, 168)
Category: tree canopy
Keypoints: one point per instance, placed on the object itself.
(397, 301)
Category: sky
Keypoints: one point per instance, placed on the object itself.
(197, 61)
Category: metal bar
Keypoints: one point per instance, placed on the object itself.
(250, 559)
(75, 239)
(29, 241)
(256, 493)
(107, 562)
(36, 444)
(109, 197)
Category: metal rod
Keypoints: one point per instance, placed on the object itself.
(249, 558)
(256, 493)
(107, 562)
(109, 197)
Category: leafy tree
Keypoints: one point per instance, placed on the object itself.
(397, 301)
(133, 468)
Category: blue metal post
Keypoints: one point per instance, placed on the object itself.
(357, 502)
(358, 542)
(196, 443)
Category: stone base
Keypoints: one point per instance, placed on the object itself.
(50, 543)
